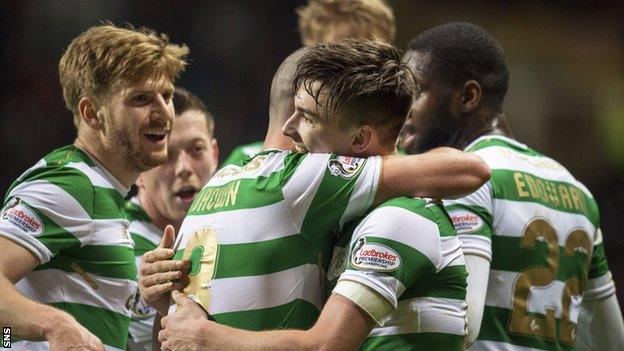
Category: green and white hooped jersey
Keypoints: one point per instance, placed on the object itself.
(146, 237)
(407, 253)
(68, 211)
(259, 236)
(241, 153)
(540, 228)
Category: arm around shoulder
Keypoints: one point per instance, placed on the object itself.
(441, 173)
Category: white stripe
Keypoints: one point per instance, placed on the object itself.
(450, 252)
(60, 207)
(95, 175)
(483, 345)
(265, 291)
(500, 294)
(302, 186)
(244, 225)
(146, 230)
(364, 190)
(54, 285)
(426, 315)
(511, 218)
(40, 164)
(498, 157)
(270, 163)
(499, 137)
(387, 286)
(479, 245)
(44, 346)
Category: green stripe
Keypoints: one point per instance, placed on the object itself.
(599, 265)
(414, 341)
(494, 328)
(298, 314)
(449, 283)
(141, 244)
(134, 212)
(509, 255)
(238, 194)
(108, 204)
(502, 143)
(264, 257)
(54, 237)
(102, 260)
(67, 154)
(561, 196)
(111, 327)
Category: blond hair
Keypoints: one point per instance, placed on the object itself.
(360, 19)
(106, 55)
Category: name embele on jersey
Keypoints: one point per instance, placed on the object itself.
(146, 237)
(259, 236)
(68, 211)
(540, 228)
(407, 252)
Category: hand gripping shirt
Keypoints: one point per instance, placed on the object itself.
(540, 228)
(67, 210)
(406, 253)
(259, 236)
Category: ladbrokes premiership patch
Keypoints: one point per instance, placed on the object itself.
(345, 166)
(374, 256)
(18, 214)
(465, 221)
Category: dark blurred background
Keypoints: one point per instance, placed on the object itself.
(566, 58)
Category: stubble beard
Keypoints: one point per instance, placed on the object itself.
(137, 159)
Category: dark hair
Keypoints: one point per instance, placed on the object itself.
(184, 100)
(463, 51)
(365, 83)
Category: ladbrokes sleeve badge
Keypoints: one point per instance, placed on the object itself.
(374, 256)
(17, 214)
(346, 166)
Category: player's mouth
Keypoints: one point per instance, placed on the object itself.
(156, 136)
(186, 194)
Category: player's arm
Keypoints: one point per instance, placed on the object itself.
(600, 325)
(17, 311)
(478, 275)
(341, 326)
(442, 173)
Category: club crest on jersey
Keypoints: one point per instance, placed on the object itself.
(465, 221)
(374, 256)
(21, 216)
(345, 166)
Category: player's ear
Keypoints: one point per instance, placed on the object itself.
(471, 95)
(90, 114)
(362, 138)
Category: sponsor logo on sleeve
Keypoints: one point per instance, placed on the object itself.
(375, 257)
(465, 221)
(18, 214)
(345, 167)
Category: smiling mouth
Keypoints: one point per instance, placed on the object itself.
(186, 194)
(156, 136)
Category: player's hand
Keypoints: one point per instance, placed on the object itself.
(181, 329)
(159, 275)
(70, 335)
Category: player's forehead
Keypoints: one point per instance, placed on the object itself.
(305, 101)
(153, 84)
(190, 126)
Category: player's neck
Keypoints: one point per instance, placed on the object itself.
(152, 212)
(109, 160)
(471, 131)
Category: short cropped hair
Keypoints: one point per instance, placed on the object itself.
(360, 19)
(463, 51)
(184, 100)
(365, 82)
(105, 55)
